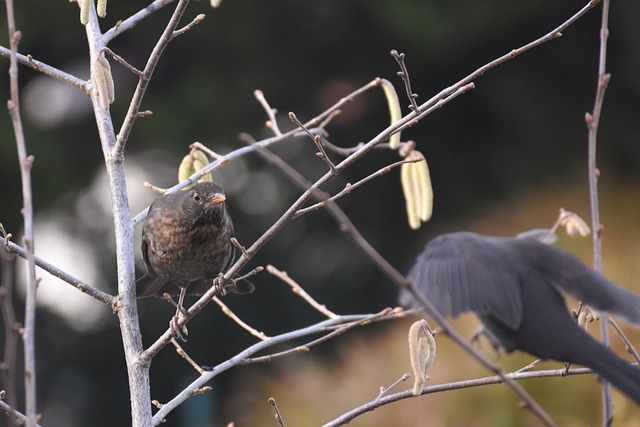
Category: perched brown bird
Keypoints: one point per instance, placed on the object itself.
(186, 243)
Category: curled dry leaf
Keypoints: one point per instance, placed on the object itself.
(422, 352)
(573, 224)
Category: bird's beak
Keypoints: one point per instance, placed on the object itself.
(218, 198)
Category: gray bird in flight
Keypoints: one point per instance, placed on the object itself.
(514, 286)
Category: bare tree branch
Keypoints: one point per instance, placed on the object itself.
(47, 70)
(298, 290)
(439, 388)
(64, 276)
(21, 418)
(276, 411)
(345, 224)
(350, 187)
(258, 334)
(593, 120)
(138, 361)
(135, 19)
(126, 305)
(240, 358)
(136, 101)
(26, 163)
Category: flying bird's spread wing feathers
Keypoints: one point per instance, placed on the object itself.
(453, 273)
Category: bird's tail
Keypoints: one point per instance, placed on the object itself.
(147, 286)
(620, 373)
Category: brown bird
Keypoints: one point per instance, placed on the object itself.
(186, 243)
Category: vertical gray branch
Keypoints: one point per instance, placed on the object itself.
(26, 162)
(593, 121)
(127, 310)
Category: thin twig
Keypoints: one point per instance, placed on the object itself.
(135, 19)
(593, 121)
(155, 188)
(192, 179)
(9, 410)
(404, 75)
(237, 245)
(350, 187)
(439, 388)
(198, 19)
(121, 60)
(334, 332)
(209, 152)
(552, 35)
(258, 334)
(345, 224)
(530, 366)
(355, 320)
(316, 140)
(298, 290)
(26, 163)
(323, 124)
(272, 123)
(630, 347)
(27, 60)
(385, 390)
(276, 411)
(304, 348)
(253, 272)
(95, 293)
(344, 151)
(143, 83)
(185, 356)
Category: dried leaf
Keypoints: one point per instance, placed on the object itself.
(422, 352)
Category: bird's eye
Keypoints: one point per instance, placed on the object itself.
(197, 197)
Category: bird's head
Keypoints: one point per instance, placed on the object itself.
(205, 199)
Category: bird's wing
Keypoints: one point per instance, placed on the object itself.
(462, 272)
(149, 284)
(242, 286)
(567, 273)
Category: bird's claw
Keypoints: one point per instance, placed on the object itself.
(178, 331)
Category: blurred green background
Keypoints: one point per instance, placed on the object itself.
(503, 158)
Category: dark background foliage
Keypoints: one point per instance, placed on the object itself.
(520, 131)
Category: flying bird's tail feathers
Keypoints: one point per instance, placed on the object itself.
(620, 373)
